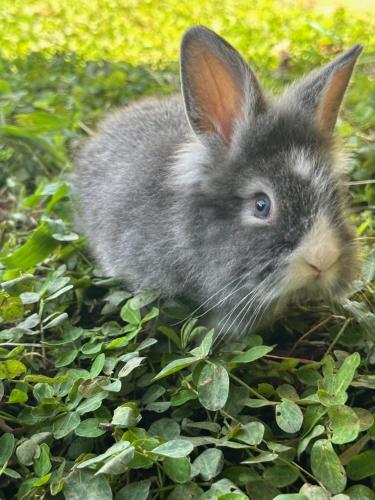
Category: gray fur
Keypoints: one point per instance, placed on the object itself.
(161, 205)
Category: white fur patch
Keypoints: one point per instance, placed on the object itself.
(190, 164)
(302, 164)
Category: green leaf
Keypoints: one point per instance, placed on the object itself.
(134, 491)
(83, 485)
(11, 369)
(368, 267)
(291, 496)
(170, 333)
(176, 448)
(37, 248)
(313, 492)
(366, 419)
(92, 403)
(203, 350)
(115, 449)
(344, 423)
(11, 307)
(12, 473)
(29, 297)
(258, 403)
(32, 379)
(178, 469)
(251, 433)
(312, 416)
(240, 474)
(281, 475)
(97, 365)
(213, 386)
(209, 463)
(264, 456)
(70, 335)
(153, 313)
(17, 396)
(175, 366)
(121, 342)
(126, 415)
(7, 443)
(289, 416)
(360, 492)
(89, 428)
(303, 444)
(182, 396)
(143, 299)
(158, 406)
(165, 428)
(27, 451)
(186, 333)
(130, 315)
(326, 466)
(42, 464)
(154, 392)
(42, 480)
(287, 391)
(56, 321)
(362, 465)
(42, 121)
(145, 344)
(66, 358)
(118, 464)
(252, 354)
(64, 289)
(131, 365)
(346, 372)
(65, 424)
(188, 491)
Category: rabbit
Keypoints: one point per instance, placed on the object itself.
(224, 194)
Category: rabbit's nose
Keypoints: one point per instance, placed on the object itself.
(318, 268)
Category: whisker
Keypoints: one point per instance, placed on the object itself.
(255, 317)
(192, 314)
(226, 297)
(247, 308)
(229, 313)
(251, 321)
(252, 297)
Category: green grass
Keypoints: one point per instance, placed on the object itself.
(83, 365)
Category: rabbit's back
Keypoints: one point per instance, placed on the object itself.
(126, 204)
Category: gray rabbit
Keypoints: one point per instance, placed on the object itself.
(224, 195)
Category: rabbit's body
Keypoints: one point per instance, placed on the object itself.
(240, 208)
(126, 166)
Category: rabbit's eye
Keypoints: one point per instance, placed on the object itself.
(262, 206)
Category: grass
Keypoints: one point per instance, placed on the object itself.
(99, 397)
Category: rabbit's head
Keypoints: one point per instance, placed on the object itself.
(261, 179)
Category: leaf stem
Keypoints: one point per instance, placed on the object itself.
(250, 389)
(336, 339)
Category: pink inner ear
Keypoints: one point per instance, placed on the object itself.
(216, 93)
(333, 95)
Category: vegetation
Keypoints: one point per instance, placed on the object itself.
(104, 395)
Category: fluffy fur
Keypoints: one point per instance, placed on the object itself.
(167, 188)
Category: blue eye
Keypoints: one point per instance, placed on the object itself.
(262, 206)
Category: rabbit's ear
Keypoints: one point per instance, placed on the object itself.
(219, 88)
(320, 93)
